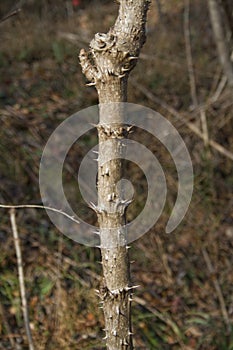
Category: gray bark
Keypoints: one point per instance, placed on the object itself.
(107, 66)
(221, 41)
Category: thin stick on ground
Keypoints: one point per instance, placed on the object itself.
(21, 278)
(218, 289)
(58, 285)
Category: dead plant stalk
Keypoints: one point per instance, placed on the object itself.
(21, 278)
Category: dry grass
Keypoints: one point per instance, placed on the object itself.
(177, 306)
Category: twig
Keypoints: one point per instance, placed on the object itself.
(24, 206)
(204, 126)
(219, 89)
(58, 313)
(192, 79)
(219, 30)
(21, 278)
(11, 14)
(211, 100)
(178, 116)
(215, 81)
(217, 288)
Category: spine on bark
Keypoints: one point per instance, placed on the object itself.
(107, 66)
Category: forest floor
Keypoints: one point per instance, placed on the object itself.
(185, 299)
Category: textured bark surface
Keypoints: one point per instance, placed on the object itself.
(220, 38)
(107, 65)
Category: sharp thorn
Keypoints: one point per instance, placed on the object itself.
(92, 205)
(132, 287)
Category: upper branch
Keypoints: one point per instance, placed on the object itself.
(115, 54)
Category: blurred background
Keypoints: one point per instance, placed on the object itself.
(185, 299)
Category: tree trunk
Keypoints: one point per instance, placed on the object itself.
(107, 65)
(221, 41)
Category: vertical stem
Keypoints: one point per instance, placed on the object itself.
(221, 41)
(107, 65)
(21, 278)
(115, 290)
(192, 79)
